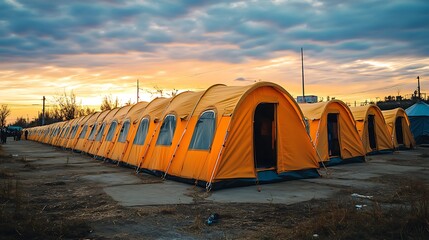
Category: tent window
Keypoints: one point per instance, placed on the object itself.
(74, 130)
(83, 132)
(371, 132)
(204, 132)
(333, 135)
(66, 132)
(124, 132)
(61, 132)
(100, 132)
(141, 134)
(111, 131)
(167, 131)
(92, 133)
(264, 136)
(398, 130)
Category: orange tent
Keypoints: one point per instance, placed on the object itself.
(232, 135)
(127, 132)
(399, 128)
(76, 133)
(70, 132)
(144, 122)
(93, 130)
(96, 134)
(56, 133)
(114, 125)
(333, 130)
(85, 131)
(372, 129)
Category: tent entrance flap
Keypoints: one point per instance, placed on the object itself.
(398, 130)
(333, 135)
(264, 136)
(371, 132)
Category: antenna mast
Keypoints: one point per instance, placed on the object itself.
(302, 74)
(418, 87)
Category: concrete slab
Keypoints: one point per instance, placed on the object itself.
(164, 193)
(374, 168)
(56, 160)
(113, 179)
(284, 192)
(344, 173)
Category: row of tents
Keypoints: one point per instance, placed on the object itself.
(232, 135)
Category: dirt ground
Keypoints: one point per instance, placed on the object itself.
(52, 202)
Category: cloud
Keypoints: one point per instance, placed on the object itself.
(225, 31)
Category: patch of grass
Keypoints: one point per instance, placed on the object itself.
(4, 174)
(167, 210)
(20, 220)
(407, 218)
(197, 225)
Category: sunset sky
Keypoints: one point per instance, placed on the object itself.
(353, 50)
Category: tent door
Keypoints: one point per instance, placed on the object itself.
(264, 136)
(333, 135)
(371, 132)
(398, 131)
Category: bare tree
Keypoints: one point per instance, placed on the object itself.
(86, 111)
(4, 113)
(108, 103)
(21, 122)
(67, 106)
(128, 103)
(160, 92)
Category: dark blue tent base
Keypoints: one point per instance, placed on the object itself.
(384, 151)
(337, 161)
(264, 177)
(403, 147)
(422, 139)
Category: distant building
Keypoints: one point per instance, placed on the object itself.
(308, 99)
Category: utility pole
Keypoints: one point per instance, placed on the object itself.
(43, 111)
(302, 68)
(418, 87)
(138, 97)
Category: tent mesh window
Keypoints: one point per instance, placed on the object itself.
(166, 133)
(57, 131)
(124, 132)
(92, 133)
(66, 132)
(100, 132)
(83, 132)
(111, 131)
(141, 134)
(204, 131)
(74, 130)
